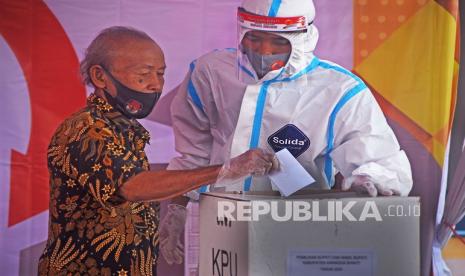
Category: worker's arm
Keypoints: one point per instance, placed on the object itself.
(191, 126)
(366, 150)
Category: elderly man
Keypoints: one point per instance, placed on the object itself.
(101, 222)
(273, 92)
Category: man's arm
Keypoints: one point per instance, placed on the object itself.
(161, 185)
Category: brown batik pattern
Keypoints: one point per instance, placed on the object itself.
(92, 230)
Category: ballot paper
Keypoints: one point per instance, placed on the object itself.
(291, 176)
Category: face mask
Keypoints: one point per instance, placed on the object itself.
(132, 103)
(262, 64)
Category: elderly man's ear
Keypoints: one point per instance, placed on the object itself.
(97, 76)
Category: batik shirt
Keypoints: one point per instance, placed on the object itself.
(93, 230)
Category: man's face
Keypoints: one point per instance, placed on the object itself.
(139, 65)
(265, 43)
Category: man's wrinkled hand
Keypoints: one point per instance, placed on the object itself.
(255, 162)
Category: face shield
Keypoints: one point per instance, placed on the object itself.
(267, 46)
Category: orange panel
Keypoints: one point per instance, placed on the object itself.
(375, 20)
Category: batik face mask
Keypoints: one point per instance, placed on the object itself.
(132, 103)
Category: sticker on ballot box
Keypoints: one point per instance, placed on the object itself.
(336, 262)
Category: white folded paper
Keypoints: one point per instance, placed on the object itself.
(292, 176)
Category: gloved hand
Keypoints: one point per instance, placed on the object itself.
(363, 184)
(171, 228)
(255, 162)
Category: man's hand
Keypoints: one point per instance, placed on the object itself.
(171, 229)
(255, 162)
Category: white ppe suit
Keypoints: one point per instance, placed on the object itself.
(325, 115)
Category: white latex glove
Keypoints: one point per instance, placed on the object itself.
(255, 162)
(364, 184)
(171, 229)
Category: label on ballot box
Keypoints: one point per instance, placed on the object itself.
(348, 262)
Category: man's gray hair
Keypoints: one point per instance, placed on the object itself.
(103, 46)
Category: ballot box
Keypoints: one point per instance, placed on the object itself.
(320, 233)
